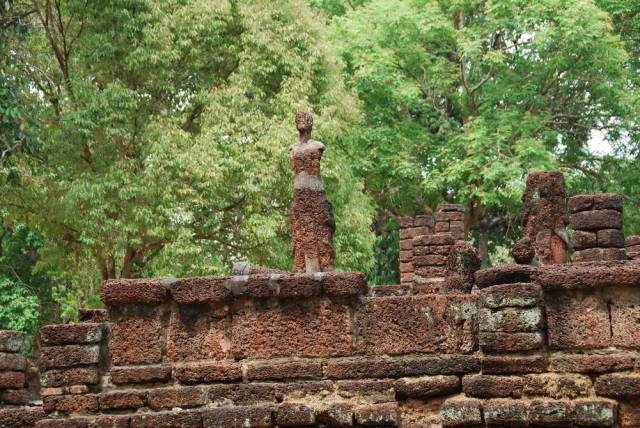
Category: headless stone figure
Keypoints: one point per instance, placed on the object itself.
(545, 220)
(312, 223)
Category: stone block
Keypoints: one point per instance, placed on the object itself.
(406, 256)
(15, 397)
(507, 364)
(450, 207)
(311, 328)
(595, 362)
(11, 341)
(121, 400)
(459, 412)
(216, 371)
(510, 342)
(450, 216)
(520, 295)
(489, 386)
(67, 377)
(17, 417)
(298, 369)
(557, 386)
(295, 415)
(70, 403)
(427, 386)
(402, 325)
(338, 415)
(504, 412)
(406, 278)
(625, 317)
(442, 226)
(242, 394)
(299, 285)
(629, 413)
(422, 273)
(344, 283)
(295, 391)
(377, 415)
(578, 321)
(551, 413)
(238, 417)
(596, 219)
(12, 361)
(430, 260)
(412, 232)
(511, 320)
(170, 397)
(195, 333)
(438, 250)
(390, 290)
(424, 220)
(599, 254)
(613, 273)
(405, 221)
(200, 290)
(595, 413)
(632, 240)
(370, 390)
(582, 239)
(608, 201)
(136, 336)
(620, 385)
(140, 374)
(580, 203)
(79, 422)
(406, 267)
(610, 238)
(81, 333)
(68, 356)
(430, 240)
(386, 367)
(182, 419)
(406, 244)
(132, 291)
(505, 274)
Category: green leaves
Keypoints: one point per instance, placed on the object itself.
(165, 140)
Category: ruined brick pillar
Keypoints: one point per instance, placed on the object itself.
(450, 218)
(544, 209)
(633, 247)
(18, 405)
(312, 222)
(410, 227)
(597, 224)
(462, 264)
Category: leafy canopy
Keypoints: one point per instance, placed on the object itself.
(463, 98)
(164, 137)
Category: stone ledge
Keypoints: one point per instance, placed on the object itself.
(222, 288)
(613, 273)
(505, 274)
(60, 334)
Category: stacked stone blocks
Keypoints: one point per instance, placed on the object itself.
(16, 407)
(597, 224)
(450, 219)
(410, 227)
(633, 247)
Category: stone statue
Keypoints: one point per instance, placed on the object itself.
(544, 212)
(312, 222)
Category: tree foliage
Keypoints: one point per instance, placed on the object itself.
(463, 98)
(164, 137)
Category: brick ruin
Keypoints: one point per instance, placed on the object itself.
(534, 344)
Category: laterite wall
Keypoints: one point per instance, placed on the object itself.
(551, 346)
